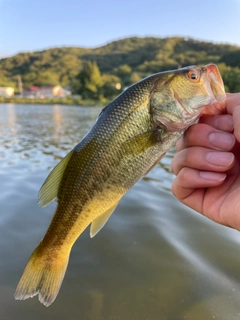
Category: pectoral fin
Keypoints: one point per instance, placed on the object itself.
(49, 189)
(141, 142)
(100, 221)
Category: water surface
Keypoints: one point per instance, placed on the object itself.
(154, 259)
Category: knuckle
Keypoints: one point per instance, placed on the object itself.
(188, 155)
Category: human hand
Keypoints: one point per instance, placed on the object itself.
(207, 166)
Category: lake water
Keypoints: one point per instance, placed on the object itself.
(155, 258)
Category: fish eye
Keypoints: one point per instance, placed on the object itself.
(193, 75)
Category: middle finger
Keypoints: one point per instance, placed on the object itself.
(206, 136)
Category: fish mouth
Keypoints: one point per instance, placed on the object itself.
(215, 90)
(216, 82)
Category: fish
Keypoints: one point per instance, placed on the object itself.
(131, 134)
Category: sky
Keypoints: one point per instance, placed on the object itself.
(33, 25)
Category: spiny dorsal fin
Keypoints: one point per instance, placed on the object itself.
(100, 221)
(49, 189)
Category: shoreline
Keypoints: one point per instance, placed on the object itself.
(66, 101)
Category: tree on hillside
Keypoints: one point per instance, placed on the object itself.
(125, 73)
(231, 77)
(135, 77)
(112, 86)
(123, 70)
(47, 78)
(232, 59)
(6, 82)
(89, 81)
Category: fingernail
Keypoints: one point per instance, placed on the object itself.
(220, 158)
(221, 140)
(212, 176)
(224, 123)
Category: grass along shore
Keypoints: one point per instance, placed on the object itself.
(67, 101)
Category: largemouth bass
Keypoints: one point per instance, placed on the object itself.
(129, 138)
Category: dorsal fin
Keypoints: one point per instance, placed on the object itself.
(49, 189)
(100, 221)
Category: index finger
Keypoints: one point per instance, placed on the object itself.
(222, 122)
(233, 107)
(208, 136)
(232, 101)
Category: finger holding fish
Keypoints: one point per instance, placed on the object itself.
(202, 159)
(211, 192)
(190, 186)
(223, 122)
(206, 135)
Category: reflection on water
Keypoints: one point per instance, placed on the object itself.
(155, 258)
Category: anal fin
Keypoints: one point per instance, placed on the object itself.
(100, 221)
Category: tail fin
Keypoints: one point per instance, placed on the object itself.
(42, 275)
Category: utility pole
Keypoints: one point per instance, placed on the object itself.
(19, 84)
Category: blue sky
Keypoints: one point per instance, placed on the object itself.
(28, 25)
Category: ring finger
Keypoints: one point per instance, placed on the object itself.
(201, 158)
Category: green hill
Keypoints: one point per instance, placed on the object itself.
(125, 60)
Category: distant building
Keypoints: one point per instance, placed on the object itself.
(6, 92)
(46, 92)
